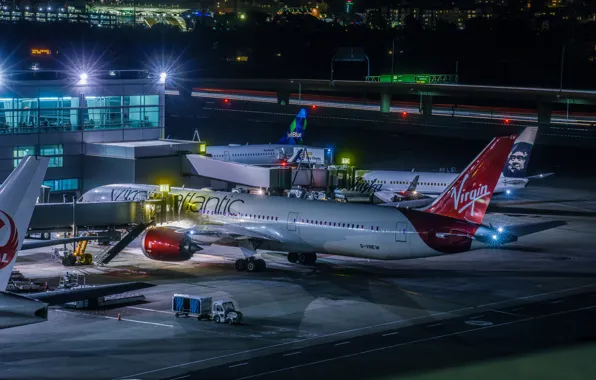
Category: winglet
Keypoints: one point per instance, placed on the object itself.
(295, 133)
(467, 197)
(413, 184)
(18, 195)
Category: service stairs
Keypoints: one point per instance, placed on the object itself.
(105, 256)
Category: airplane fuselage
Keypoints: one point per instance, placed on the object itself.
(261, 154)
(428, 183)
(295, 225)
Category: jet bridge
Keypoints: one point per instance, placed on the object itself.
(242, 174)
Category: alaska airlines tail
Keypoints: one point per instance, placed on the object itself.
(18, 196)
(517, 163)
(467, 197)
(295, 134)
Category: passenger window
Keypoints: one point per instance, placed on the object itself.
(377, 228)
(344, 225)
(357, 226)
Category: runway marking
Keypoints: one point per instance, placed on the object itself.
(341, 344)
(108, 317)
(504, 312)
(238, 365)
(145, 309)
(392, 333)
(346, 331)
(559, 301)
(181, 377)
(477, 316)
(293, 353)
(537, 295)
(411, 342)
(436, 324)
(147, 323)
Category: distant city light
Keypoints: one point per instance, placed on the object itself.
(242, 17)
(404, 114)
(313, 106)
(506, 121)
(226, 101)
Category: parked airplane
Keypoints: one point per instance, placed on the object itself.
(451, 224)
(281, 153)
(17, 200)
(391, 186)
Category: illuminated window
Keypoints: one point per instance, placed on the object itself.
(55, 153)
(22, 151)
(62, 184)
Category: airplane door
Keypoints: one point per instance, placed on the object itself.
(226, 156)
(401, 232)
(292, 220)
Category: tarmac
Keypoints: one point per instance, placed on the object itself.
(525, 309)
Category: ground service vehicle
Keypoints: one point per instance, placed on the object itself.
(203, 307)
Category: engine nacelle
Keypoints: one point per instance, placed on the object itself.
(165, 244)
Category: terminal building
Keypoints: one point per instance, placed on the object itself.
(98, 128)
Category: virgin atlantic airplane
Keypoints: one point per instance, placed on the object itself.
(451, 224)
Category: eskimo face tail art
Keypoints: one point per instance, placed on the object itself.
(467, 197)
(517, 163)
(295, 134)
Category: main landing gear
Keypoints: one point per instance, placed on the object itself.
(251, 264)
(302, 258)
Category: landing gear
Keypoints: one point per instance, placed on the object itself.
(302, 258)
(251, 264)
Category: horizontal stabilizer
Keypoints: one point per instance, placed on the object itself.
(415, 203)
(59, 297)
(538, 176)
(531, 228)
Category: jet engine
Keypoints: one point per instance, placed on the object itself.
(166, 244)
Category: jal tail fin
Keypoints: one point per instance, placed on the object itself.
(18, 195)
(413, 184)
(467, 197)
(295, 133)
(517, 163)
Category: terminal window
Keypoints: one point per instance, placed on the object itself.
(21, 151)
(54, 114)
(105, 112)
(62, 184)
(55, 153)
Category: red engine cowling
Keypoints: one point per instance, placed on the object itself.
(165, 244)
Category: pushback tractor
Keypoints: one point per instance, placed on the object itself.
(204, 308)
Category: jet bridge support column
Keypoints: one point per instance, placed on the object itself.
(426, 105)
(545, 111)
(385, 103)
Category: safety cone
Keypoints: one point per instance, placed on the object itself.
(119, 316)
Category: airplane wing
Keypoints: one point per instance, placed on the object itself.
(414, 203)
(58, 297)
(538, 176)
(48, 243)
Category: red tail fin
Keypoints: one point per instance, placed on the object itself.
(467, 197)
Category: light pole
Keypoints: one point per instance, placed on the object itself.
(393, 55)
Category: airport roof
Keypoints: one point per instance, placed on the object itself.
(147, 148)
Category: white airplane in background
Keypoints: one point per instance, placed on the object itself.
(18, 195)
(451, 224)
(393, 186)
(287, 150)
